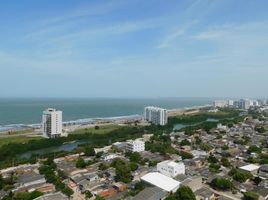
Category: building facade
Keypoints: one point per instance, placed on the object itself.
(220, 103)
(135, 146)
(155, 115)
(52, 123)
(171, 168)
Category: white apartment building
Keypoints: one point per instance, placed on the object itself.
(171, 168)
(155, 115)
(220, 103)
(135, 146)
(52, 123)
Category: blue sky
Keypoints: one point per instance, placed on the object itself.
(134, 48)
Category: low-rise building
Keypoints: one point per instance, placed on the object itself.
(253, 169)
(263, 171)
(151, 193)
(53, 196)
(29, 181)
(171, 168)
(161, 181)
(135, 146)
(204, 193)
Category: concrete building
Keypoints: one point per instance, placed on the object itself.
(251, 168)
(161, 181)
(245, 104)
(29, 181)
(53, 196)
(220, 103)
(52, 123)
(155, 115)
(151, 193)
(135, 146)
(171, 168)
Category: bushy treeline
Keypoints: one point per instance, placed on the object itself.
(9, 153)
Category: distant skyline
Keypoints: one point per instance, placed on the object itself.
(133, 48)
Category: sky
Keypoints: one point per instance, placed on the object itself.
(134, 48)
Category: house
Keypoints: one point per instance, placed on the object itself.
(53, 196)
(120, 187)
(29, 181)
(84, 180)
(195, 183)
(263, 192)
(253, 169)
(110, 157)
(205, 193)
(151, 193)
(103, 149)
(263, 171)
(105, 191)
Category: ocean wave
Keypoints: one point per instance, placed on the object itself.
(18, 127)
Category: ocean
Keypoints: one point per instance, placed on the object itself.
(17, 112)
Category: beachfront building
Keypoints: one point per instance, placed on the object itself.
(52, 123)
(171, 168)
(135, 146)
(155, 115)
(220, 103)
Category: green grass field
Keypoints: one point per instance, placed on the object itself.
(23, 139)
(17, 139)
(101, 130)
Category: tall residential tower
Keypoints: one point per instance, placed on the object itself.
(52, 123)
(155, 115)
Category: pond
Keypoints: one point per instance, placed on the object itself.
(180, 126)
(64, 147)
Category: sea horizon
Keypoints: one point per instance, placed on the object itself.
(27, 111)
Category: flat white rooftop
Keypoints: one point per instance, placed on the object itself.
(159, 180)
(250, 167)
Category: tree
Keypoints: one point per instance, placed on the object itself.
(133, 166)
(80, 163)
(89, 151)
(254, 149)
(251, 196)
(239, 175)
(88, 194)
(186, 155)
(103, 167)
(99, 198)
(35, 194)
(67, 191)
(183, 193)
(225, 162)
(135, 157)
(2, 182)
(205, 147)
(214, 167)
(26, 195)
(62, 174)
(99, 154)
(260, 129)
(123, 174)
(50, 162)
(212, 159)
(225, 147)
(139, 186)
(185, 142)
(221, 184)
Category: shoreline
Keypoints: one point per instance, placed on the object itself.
(96, 120)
